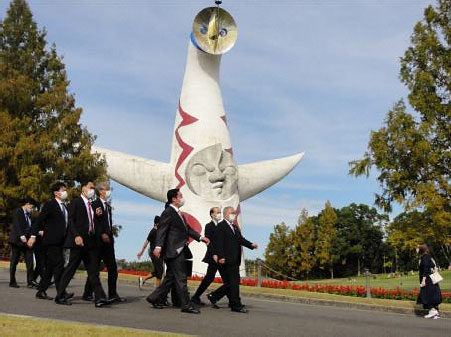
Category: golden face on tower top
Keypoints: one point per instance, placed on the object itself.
(214, 30)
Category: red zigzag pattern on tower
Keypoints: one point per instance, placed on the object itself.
(187, 119)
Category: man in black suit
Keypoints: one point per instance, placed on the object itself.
(228, 243)
(83, 236)
(106, 245)
(172, 242)
(18, 237)
(51, 227)
(209, 258)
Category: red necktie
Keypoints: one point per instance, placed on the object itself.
(91, 223)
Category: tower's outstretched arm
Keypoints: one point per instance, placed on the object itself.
(148, 177)
(256, 177)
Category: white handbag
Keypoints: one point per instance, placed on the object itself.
(435, 276)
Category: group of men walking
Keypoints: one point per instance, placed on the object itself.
(84, 228)
(224, 240)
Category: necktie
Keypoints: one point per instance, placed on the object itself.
(27, 218)
(107, 210)
(91, 223)
(64, 210)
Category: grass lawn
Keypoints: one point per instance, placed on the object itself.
(17, 326)
(383, 281)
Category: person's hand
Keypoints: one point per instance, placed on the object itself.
(205, 239)
(215, 258)
(139, 255)
(41, 233)
(255, 245)
(221, 261)
(99, 211)
(31, 242)
(23, 239)
(105, 238)
(157, 251)
(79, 241)
(423, 282)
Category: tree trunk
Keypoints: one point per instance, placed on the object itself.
(358, 266)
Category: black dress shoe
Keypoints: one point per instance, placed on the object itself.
(32, 285)
(240, 310)
(87, 298)
(43, 295)
(14, 285)
(100, 303)
(212, 301)
(68, 296)
(62, 301)
(117, 298)
(191, 310)
(165, 303)
(197, 301)
(155, 304)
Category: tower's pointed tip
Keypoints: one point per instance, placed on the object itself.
(256, 177)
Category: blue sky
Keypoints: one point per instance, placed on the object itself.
(312, 76)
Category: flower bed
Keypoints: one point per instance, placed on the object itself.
(357, 291)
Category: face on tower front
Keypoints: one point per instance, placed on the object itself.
(214, 31)
(212, 173)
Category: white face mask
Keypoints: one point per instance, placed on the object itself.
(181, 202)
(63, 195)
(90, 193)
(417, 250)
(217, 217)
(232, 217)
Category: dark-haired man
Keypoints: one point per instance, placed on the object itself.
(210, 258)
(172, 242)
(18, 237)
(82, 239)
(51, 225)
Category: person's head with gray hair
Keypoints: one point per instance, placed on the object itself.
(104, 189)
(229, 214)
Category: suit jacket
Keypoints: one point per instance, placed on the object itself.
(51, 220)
(227, 244)
(20, 227)
(103, 222)
(78, 225)
(173, 233)
(210, 229)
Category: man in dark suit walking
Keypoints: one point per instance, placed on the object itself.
(83, 239)
(106, 244)
(172, 242)
(18, 237)
(209, 258)
(228, 242)
(51, 225)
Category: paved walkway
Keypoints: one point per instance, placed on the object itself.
(266, 317)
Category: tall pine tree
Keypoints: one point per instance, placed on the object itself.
(41, 138)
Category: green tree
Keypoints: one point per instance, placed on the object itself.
(41, 138)
(412, 152)
(302, 249)
(327, 233)
(359, 239)
(277, 250)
